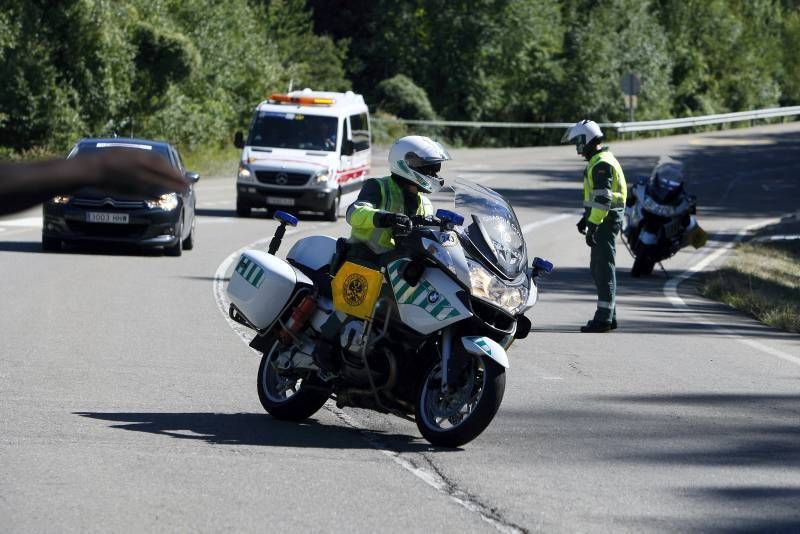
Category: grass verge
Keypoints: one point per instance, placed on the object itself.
(213, 160)
(762, 279)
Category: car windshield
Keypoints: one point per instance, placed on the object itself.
(275, 129)
(96, 146)
(491, 226)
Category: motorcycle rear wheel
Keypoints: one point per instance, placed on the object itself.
(285, 397)
(456, 418)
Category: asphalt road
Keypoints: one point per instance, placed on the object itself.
(128, 403)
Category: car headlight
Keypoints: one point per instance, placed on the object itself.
(244, 174)
(61, 199)
(486, 286)
(321, 176)
(166, 202)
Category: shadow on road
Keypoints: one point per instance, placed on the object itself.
(733, 441)
(88, 248)
(257, 430)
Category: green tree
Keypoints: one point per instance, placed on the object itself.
(400, 96)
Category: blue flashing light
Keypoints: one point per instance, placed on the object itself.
(450, 216)
(542, 265)
(287, 218)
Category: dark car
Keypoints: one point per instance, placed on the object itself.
(94, 215)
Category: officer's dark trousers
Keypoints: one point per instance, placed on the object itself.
(603, 267)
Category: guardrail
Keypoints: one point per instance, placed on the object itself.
(622, 127)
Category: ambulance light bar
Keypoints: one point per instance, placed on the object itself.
(301, 100)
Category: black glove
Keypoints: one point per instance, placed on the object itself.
(582, 226)
(591, 231)
(387, 219)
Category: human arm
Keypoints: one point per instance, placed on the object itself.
(23, 185)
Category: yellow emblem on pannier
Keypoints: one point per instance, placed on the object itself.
(356, 289)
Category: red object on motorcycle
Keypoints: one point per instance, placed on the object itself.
(300, 316)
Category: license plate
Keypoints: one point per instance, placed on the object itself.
(108, 218)
(280, 201)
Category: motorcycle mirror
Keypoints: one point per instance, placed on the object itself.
(448, 216)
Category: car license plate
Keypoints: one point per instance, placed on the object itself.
(280, 201)
(108, 218)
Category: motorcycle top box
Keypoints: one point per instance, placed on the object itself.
(259, 302)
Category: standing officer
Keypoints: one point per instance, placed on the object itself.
(604, 194)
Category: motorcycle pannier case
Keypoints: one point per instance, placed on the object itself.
(356, 289)
(260, 286)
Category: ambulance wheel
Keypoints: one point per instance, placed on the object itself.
(242, 209)
(288, 397)
(332, 214)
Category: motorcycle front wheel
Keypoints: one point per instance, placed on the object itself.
(288, 397)
(459, 415)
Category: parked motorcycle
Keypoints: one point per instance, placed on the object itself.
(660, 217)
(423, 335)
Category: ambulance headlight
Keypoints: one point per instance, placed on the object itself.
(320, 177)
(244, 174)
(486, 286)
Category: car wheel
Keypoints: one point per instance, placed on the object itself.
(332, 214)
(177, 248)
(51, 244)
(242, 209)
(188, 243)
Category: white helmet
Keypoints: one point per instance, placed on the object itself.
(582, 133)
(418, 159)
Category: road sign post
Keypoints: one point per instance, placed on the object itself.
(631, 85)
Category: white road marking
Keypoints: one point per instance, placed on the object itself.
(204, 219)
(428, 476)
(671, 293)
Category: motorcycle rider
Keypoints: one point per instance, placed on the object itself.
(383, 206)
(604, 196)
(388, 203)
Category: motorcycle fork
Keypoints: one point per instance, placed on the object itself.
(447, 348)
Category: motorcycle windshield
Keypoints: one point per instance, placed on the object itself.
(491, 226)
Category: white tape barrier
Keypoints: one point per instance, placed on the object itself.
(621, 127)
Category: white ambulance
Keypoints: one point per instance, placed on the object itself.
(305, 151)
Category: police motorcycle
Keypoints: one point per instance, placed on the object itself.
(423, 336)
(660, 217)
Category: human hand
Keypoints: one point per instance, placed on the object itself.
(130, 172)
(591, 234)
(581, 226)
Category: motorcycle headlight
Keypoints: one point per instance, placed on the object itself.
(244, 174)
(486, 286)
(166, 202)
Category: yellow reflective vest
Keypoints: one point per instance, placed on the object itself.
(361, 213)
(602, 193)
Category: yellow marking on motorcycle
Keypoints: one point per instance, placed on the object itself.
(723, 141)
(356, 289)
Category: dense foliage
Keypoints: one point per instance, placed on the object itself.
(191, 70)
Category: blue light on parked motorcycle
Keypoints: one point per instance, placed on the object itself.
(287, 218)
(542, 265)
(450, 216)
